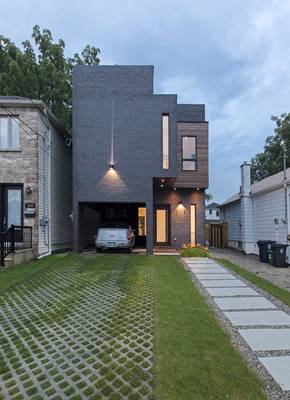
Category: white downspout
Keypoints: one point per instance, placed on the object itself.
(47, 183)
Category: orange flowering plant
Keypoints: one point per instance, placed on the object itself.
(194, 250)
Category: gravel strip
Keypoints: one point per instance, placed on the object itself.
(272, 389)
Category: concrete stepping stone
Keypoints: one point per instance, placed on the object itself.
(263, 318)
(202, 266)
(267, 339)
(223, 283)
(198, 260)
(214, 276)
(209, 270)
(279, 368)
(244, 303)
(232, 291)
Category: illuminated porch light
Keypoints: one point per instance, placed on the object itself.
(162, 180)
(111, 166)
(174, 188)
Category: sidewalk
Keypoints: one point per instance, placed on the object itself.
(259, 324)
(278, 276)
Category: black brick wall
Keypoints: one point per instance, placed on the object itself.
(128, 91)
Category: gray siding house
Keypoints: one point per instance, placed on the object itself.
(35, 176)
(138, 157)
(258, 212)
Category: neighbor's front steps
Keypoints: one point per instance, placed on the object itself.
(263, 325)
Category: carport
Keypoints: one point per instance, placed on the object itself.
(94, 214)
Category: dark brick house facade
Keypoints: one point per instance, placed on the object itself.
(137, 156)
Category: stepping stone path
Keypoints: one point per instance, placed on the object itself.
(264, 327)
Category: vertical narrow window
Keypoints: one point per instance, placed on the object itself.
(142, 221)
(14, 137)
(4, 136)
(161, 226)
(189, 153)
(165, 141)
(192, 224)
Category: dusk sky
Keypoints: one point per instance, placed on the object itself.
(234, 56)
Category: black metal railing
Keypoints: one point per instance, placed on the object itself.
(15, 238)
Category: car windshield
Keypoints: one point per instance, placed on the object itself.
(116, 225)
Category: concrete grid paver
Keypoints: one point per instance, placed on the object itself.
(101, 348)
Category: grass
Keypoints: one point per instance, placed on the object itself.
(13, 275)
(194, 358)
(261, 283)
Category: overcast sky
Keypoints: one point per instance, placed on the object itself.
(232, 55)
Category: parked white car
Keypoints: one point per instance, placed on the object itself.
(115, 236)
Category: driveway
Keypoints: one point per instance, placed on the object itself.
(78, 332)
(278, 276)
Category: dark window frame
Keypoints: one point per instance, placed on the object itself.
(188, 159)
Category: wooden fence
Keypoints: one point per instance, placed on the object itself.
(217, 234)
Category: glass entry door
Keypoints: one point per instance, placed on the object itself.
(161, 220)
(11, 210)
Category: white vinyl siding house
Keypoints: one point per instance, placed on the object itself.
(269, 216)
(265, 216)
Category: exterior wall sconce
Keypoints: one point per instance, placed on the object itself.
(112, 166)
(28, 190)
(180, 209)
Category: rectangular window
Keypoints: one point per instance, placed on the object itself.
(189, 153)
(165, 141)
(9, 134)
(192, 224)
(142, 221)
(161, 226)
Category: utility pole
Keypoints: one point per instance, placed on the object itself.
(284, 160)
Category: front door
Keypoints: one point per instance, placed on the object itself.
(11, 206)
(161, 222)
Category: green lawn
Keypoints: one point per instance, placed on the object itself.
(194, 358)
(269, 287)
(138, 321)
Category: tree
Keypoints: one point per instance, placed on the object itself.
(270, 161)
(42, 71)
(208, 196)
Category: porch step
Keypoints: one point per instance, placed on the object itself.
(18, 257)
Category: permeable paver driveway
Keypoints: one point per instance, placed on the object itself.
(79, 331)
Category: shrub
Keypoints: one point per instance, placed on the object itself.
(191, 250)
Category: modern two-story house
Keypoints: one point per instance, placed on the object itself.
(138, 157)
(35, 179)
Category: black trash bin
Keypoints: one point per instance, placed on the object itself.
(279, 255)
(265, 250)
